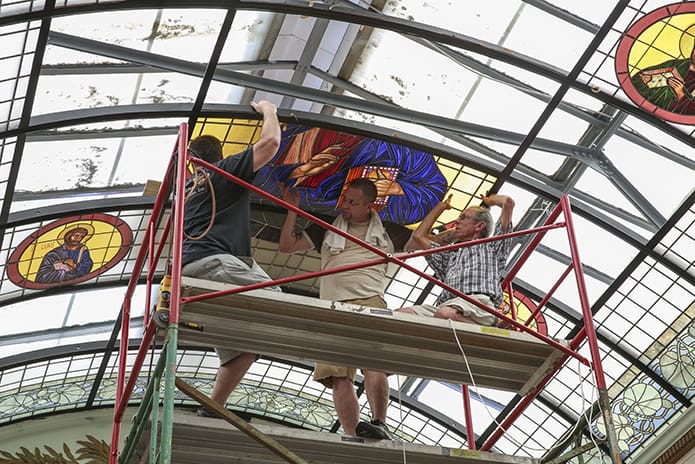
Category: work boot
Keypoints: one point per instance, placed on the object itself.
(374, 429)
(205, 412)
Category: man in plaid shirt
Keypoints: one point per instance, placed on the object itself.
(474, 270)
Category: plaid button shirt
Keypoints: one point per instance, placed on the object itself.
(473, 269)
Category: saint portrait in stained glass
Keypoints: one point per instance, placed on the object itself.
(69, 251)
(655, 63)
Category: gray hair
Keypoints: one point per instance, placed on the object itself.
(483, 214)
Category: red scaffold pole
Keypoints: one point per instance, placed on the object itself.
(588, 331)
(470, 433)
(592, 340)
(123, 393)
(166, 434)
(177, 235)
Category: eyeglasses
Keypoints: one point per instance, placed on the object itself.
(465, 216)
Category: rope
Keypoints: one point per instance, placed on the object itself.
(202, 177)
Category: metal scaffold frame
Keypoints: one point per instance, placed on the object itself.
(173, 187)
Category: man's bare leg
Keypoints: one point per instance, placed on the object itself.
(229, 375)
(449, 312)
(406, 310)
(376, 386)
(346, 405)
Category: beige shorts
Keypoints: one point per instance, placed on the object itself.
(324, 373)
(232, 270)
(480, 316)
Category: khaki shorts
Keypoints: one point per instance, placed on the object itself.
(232, 270)
(324, 373)
(480, 316)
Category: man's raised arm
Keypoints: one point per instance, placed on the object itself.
(506, 203)
(290, 240)
(420, 240)
(269, 142)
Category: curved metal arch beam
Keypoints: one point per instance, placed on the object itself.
(65, 351)
(129, 132)
(380, 108)
(338, 12)
(109, 282)
(585, 115)
(92, 328)
(47, 135)
(364, 17)
(564, 15)
(136, 68)
(56, 211)
(74, 117)
(583, 154)
(464, 60)
(593, 215)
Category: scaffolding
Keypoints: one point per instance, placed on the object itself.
(520, 359)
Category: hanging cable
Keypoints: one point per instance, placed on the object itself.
(587, 415)
(400, 416)
(492, 417)
(201, 178)
(586, 406)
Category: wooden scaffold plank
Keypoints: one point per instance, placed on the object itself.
(213, 441)
(297, 327)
